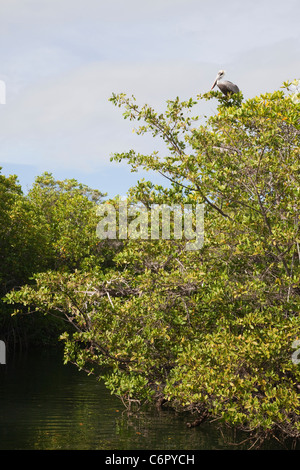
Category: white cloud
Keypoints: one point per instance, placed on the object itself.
(63, 58)
(72, 117)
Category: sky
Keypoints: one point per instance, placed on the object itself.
(61, 60)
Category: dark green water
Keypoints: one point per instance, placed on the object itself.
(45, 404)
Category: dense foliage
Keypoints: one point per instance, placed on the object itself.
(50, 228)
(209, 330)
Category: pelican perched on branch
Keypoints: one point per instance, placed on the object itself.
(225, 86)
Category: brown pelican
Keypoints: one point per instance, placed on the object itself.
(225, 86)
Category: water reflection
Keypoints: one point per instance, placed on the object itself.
(47, 405)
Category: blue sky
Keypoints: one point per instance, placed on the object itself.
(62, 59)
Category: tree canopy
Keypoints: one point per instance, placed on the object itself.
(209, 330)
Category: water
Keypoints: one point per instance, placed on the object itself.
(45, 404)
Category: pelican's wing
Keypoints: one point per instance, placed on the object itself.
(228, 87)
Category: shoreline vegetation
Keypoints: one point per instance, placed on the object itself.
(213, 330)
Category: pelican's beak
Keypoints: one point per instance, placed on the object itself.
(215, 82)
